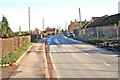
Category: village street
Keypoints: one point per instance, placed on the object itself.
(75, 59)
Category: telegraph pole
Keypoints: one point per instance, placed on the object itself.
(19, 28)
(43, 23)
(29, 17)
(80, 16)
(65, 25)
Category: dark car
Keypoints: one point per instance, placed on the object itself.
(71, 35)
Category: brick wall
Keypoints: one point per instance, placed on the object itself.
(16, 44)
(10, 44)
(20, 41)
(0, 47)
(7, 46)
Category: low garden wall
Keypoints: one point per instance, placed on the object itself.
(8, 45)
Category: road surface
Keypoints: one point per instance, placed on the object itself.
(75, 59)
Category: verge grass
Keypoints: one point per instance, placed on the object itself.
(15, 55)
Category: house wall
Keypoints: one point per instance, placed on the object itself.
(73, 26)
(50, 32)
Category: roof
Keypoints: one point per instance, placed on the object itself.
(93, 18)
(50, 29)
(74, 24)
(86, 24)
(105, 20)
(77, 23)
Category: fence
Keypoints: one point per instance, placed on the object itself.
(10, 44)
(105, 32)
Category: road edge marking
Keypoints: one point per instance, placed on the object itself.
(18, 61)
(107, 64)
(53, 64)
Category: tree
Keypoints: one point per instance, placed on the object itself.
(0, 29)
(36, 30)
(57, 31)
(6, 30)
(62, 31)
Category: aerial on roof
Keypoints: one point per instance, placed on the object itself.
(105, 20)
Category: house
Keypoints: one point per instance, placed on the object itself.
(74, 27)
(49, 31)
(107, 27)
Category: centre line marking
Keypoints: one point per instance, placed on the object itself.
(107, 64)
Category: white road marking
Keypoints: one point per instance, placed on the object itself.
(52, 61)
(107, 64)
(87, 54)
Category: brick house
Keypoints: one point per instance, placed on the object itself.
(49, 31)
(74, 27)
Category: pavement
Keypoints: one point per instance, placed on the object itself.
(32, 65)
(75, 59)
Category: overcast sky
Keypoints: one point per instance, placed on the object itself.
(55, 12)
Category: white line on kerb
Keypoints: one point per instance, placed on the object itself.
(107, 64)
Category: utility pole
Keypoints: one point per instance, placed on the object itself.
(19, 28)
(80, 16)
(29, 17)
(65, 25)
(43, 23)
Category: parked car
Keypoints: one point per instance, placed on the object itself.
(70, 35)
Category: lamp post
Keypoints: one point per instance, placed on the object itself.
(29, 18)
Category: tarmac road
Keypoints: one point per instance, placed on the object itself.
(75, 59)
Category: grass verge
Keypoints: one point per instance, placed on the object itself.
(15, 55)
(111, 44)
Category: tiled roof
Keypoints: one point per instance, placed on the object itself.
(104, 21)
(50, 29)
